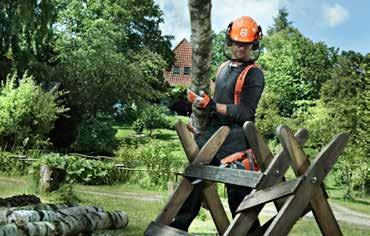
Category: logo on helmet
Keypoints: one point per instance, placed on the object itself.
(243, 32)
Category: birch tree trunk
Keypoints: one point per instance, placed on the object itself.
(68, 225)
(41, 215)
(201, 42)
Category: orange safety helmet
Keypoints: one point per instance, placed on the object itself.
(243, 30)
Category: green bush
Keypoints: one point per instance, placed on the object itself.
(138, 126)
(80, 170)
(8, 163)
(172, 120)
(27, 113)
(152, 117)
(157, 157)
(96, 135)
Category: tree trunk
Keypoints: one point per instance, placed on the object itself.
(50, 178)
(46, 207)
(68, 225)
(201, 42)
(42, 215)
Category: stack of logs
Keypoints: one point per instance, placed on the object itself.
(58, 219)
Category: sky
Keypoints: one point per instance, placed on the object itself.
(338, 23)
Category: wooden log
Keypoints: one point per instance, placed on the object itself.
(201, 42)
(182, 192)
(314, 176)
(290, 212)
(224, 175)
(215, 207)
(156, 229)
(258, 145)
(68, 225)
(210, 194)
(19, 200)
(187, 141)
(51, 178)
(322, 212)
(85, 223)
(270, 194)
(212, 146)
(275, 171)
(175, 202)
(42, 215)
(46, 207)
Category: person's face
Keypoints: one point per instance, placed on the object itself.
(241, 51)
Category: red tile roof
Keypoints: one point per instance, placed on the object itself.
(183, 52)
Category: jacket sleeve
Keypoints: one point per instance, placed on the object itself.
(249, 98)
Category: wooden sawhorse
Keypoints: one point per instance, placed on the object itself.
(273, 170)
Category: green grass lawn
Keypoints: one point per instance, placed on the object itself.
(141, 212)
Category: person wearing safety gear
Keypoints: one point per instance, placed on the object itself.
(239, 85)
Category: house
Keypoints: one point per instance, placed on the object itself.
(180, 74)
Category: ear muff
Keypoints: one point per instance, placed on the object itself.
(255, 45)
(256, 42)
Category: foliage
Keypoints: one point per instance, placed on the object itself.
(176, 100)
(96, 135)
(281, 22)
(138, 126)
(155, 156)
(151, 117)
(267, 114)
(295, 68)
(218, 41)
(158, 159)
(26, 36)
(8, 163)
(344, 107)
(27, 112)
(79, 170)
(105, 55)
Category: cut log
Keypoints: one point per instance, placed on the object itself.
(51, 178)
(19, 200)
(46, 206)
(68, 225)
(42, 215)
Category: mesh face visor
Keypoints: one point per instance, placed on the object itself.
(241, 52)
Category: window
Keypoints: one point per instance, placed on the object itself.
(187, 70)
(176, 70)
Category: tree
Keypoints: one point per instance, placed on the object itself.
(200, 17)
(280, 22)
(344, 107)
(105, 53)
(26, 36)
(295, 68)
(218, 57)
(27, 112)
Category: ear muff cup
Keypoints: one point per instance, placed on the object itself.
(255, 45)
(256, 42)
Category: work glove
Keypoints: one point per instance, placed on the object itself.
(202, 101)
(245, 159)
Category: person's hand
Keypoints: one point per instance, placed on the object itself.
(201, 101)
